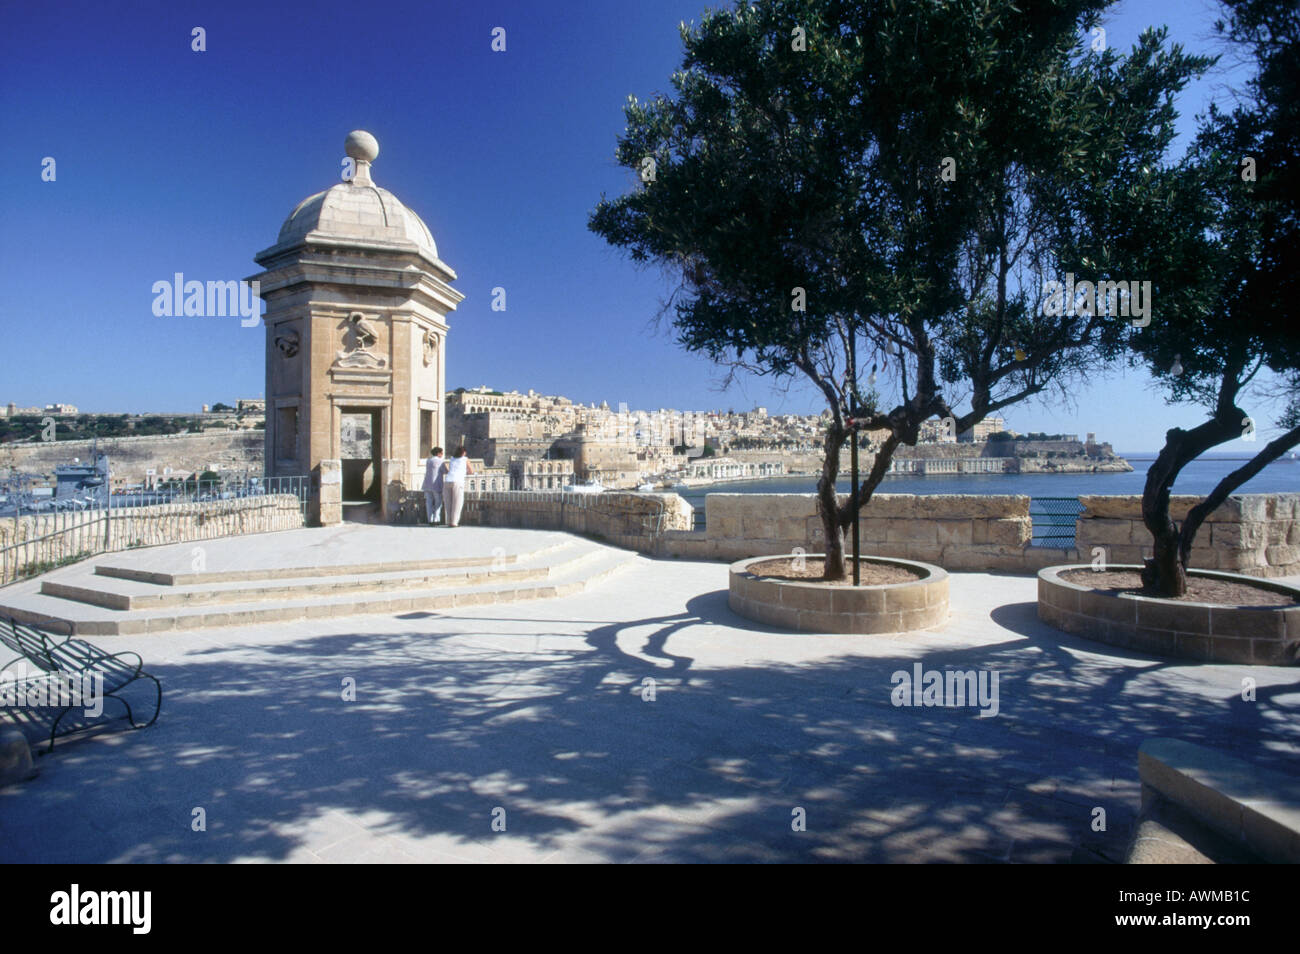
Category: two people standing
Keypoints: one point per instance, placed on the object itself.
(444, 484)
(433, 485)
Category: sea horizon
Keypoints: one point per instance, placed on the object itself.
(1198, 478)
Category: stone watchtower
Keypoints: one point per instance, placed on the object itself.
(356, 307)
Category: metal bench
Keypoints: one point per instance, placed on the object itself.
(75, 658)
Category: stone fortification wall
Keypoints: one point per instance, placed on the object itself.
(130, 457)
(1255, 534)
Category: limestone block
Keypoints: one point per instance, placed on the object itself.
(789, 506)
(722, 506)
(1249, 507)
(949, 532)
(1282, 555)
(725, 526)
(1118, 554)
(1288, 506)
(1104, 531)
(910, 531)
(980, 555)
(1008, 530)
(1235, 536)
(791, 528)
(873, 528)
(1036, 558)
(925, 552)
(1129, 506)
(1140, 536)
(882, 506)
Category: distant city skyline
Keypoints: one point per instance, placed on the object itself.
(614, 407)
(173, 161)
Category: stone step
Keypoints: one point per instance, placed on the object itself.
(84, 619)
(165, 577)
(119, 593)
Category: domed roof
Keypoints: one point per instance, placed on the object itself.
(357, 209)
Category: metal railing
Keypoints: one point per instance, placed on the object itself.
(46, 533)
(1054, 520)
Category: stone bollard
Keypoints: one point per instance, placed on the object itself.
(15, 758)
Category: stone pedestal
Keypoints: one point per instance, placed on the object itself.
(329, 501)
(393, 473)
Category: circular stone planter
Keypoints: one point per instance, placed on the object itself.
(1206, 632)
(817, 607)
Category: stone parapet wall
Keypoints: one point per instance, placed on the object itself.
(631, 520)
(1255, 534)
(955, 531)
(41, 540)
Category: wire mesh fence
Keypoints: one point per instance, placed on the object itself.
(1054, 520)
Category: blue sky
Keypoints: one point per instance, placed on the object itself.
(169, 160)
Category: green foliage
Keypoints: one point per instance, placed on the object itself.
(1231, 255)
(821, 170)
(910, 179)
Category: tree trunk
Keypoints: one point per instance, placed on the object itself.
(828, 505)
(879, 467)
(1163, 572)
(1166, 570)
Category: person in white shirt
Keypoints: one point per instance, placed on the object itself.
(453, 488)
(433, 485)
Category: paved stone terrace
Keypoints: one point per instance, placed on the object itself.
(537, 708)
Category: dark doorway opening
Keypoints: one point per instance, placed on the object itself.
(359, 432)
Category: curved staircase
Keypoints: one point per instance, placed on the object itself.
(303, 574)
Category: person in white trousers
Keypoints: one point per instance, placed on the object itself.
(433, 485)
(453, 487)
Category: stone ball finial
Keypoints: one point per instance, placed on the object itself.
(361, 145)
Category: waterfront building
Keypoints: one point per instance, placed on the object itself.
(726, 468)
(540, 474)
